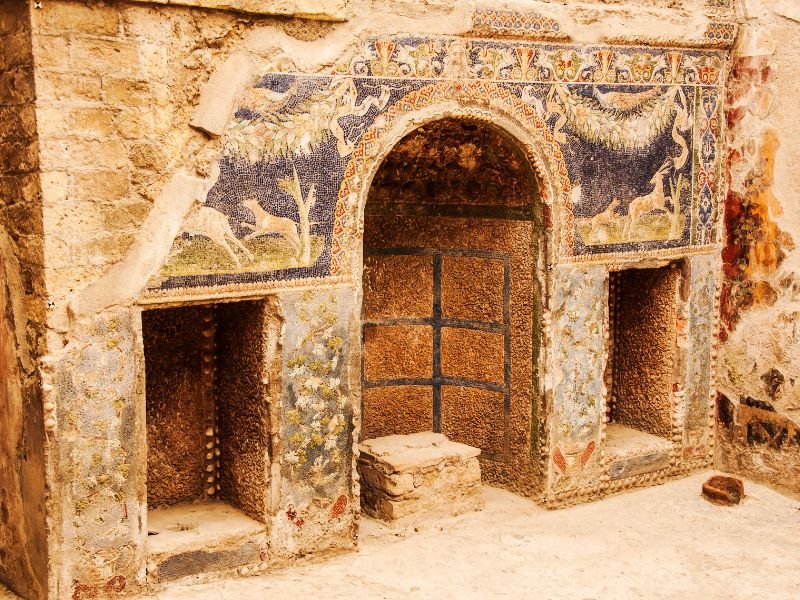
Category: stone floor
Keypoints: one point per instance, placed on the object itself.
(187, 527)
(661, 542)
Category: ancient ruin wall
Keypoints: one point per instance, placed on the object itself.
(118, 84)
(208, 412)
(759, 357)
(23, 544)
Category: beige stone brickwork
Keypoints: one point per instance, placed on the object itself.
(116, 84)
(418, 477)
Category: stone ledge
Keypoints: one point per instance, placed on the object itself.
(324, 10)
(400, 453)
(418, 477)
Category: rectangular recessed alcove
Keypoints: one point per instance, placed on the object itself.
(642, 346)
(207, 416)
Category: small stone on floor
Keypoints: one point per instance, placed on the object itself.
(723, 490)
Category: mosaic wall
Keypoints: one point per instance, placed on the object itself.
(628, 138)
(579, 315)
(316, 498)
(702, 328)
(100, 460)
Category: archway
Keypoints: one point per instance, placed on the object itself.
(451, 293)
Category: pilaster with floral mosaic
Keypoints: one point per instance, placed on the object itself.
(317, 421)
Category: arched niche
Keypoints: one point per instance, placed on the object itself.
(452, 293)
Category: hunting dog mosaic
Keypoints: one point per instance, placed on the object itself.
(630, 137)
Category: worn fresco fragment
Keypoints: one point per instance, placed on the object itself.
(755, 246)
(579, 316)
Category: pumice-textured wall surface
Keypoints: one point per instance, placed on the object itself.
(236, 241)
(448, 274)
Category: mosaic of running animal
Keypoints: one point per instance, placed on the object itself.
(624, 118)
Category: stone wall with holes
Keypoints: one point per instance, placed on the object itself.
(759, 360)
(133, 112)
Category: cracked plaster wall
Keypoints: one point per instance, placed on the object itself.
(759, 358)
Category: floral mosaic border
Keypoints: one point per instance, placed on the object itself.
(458, 58)
(708, 184)
(536, 26)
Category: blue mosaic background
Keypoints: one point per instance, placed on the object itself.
(310, 125)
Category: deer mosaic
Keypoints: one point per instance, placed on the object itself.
(211, 223)
(267, 224)
(655, 200)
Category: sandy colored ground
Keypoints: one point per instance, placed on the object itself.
(657, 543)
(660, 542)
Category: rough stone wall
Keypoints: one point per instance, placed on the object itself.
(23, 550)
(644, 349)
(759, 358)
(319, 9)
(243, 406)
(453, 162)
(23, 544)
(175, 411)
